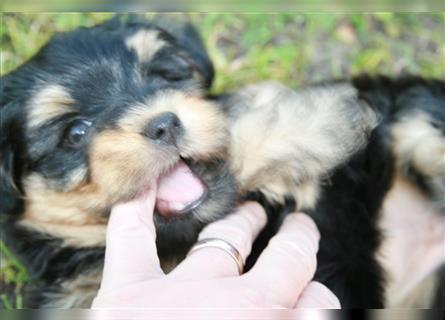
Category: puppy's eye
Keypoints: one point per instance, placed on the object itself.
(172, 74)
(77, 131)
(174, 68)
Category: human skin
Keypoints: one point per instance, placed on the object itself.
(208, 278)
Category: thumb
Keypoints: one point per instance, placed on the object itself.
(131, 254)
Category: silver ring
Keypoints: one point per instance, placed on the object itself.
(220, 244)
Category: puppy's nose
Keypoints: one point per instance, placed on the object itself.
(165, 128)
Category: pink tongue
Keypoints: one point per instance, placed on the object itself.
(178, 189)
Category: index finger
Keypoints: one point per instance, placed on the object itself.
(289, 261)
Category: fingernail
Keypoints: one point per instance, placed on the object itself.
(147, 204)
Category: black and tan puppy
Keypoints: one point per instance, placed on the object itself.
(98, 114)
(92, 119)
(309, 150)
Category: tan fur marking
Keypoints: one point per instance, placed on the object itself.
(122, 163)
(51, 206)
(205, 129)
(306, 194)
(66, 215)
(413, 245)
(52, 101)
(145, 43)
(283, 141)
(72, 235)
(420, 297)
(415, 141)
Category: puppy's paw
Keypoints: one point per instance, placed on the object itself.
(284, 141)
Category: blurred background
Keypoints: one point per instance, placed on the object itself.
(295, 49)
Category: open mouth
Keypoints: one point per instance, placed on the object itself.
(180, 191)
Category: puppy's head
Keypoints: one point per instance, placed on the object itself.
(100, 114)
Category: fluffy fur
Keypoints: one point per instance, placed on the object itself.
(335, 148)
(330, 149)
(109, 81)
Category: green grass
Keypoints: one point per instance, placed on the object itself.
(292, 48)
(13, 276)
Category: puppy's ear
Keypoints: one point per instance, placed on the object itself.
(181, 31)
(10, 200)
(188, 39)
(284, 142)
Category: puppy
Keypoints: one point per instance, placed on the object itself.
(337, 149)
(101, 113)
(94, 118)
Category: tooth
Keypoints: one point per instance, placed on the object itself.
(178, 206)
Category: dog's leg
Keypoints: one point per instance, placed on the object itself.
(347, 215)
(284, 142)
(298, 144)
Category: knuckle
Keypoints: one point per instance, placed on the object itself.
(240, 220)
(234, 235)
(255, 295)
(239, 228)
(297, 254)
(252, 215)
(254, 208)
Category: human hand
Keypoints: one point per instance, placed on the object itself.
(208, 278)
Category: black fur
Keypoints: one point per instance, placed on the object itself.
(346, 213)
(98, 70)
(48, 264)
(352, 196)
(439, 300)
(396, 98)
